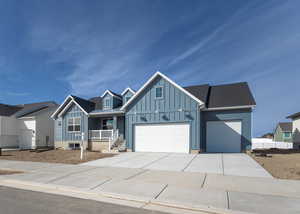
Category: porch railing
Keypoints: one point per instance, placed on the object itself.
(110, 134)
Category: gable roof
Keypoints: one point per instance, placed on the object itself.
(170, 81)
(286, 127)
(230, 96)
(22, 110)
(199, 91)
(97, 101)
(127, 89)
(292, 116)
(85, 105)
(112, 94)
(8, 110)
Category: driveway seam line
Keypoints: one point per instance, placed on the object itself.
(98, 185)
(72, 173)
(227, 195)
(189, 163)
(202, 185)
(137, 174)
(222, 157)
(163, 189)
(152, 162)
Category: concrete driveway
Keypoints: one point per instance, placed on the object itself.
(225, 164)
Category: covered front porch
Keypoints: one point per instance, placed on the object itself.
(105, 131)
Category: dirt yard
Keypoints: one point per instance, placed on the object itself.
(284, 166)
(9, 172)
(53, 156)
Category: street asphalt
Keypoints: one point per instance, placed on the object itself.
(16, 201)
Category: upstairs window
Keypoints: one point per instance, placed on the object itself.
(74, 124)
(158, 92)
(127, 99)
(287, 134)
(106, 103)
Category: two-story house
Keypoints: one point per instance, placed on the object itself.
(161, 116)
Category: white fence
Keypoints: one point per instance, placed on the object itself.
(265, 143)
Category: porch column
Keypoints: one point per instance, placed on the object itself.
(115, 122)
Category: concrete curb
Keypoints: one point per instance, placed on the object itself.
(120, 199)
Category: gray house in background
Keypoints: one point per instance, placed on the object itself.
(161, 116)
(283, 132)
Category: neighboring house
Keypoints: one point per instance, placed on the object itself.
(296, 129)
(161, 116)
(283, 132)
(27, 126)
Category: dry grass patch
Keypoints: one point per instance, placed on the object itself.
(284, 166)
(9, 172)
(53, 156)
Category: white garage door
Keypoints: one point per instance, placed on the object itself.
(162, 138)
(223, 136)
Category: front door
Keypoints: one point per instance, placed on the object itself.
(107, 124)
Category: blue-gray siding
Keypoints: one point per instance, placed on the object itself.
(174, 107)
(127, 94)
(114, 101)
(62, 132)
(241, 115)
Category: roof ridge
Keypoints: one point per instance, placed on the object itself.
(227, 84)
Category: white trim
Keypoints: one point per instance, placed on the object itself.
(68, 105)
(127, 89)
(169, 80)
(25, 118)
(228, 108)
(108, 91)
(68, 97)
(66, 108)
(106, 113)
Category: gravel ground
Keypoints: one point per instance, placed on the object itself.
(53, 156)
(284, 166)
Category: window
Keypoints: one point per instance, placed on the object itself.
(107, 124)
(107, 103)
(74, 124)
(126, 99)
(158, 92)
(74, 146)
(287, 134)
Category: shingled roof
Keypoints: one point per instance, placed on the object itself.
(286, 127)
(8, 110)
(22, 110)
(199, 91)
(230, 95)
(292, 116)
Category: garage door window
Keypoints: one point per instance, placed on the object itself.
(74, 124)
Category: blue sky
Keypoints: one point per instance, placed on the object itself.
(49, 49)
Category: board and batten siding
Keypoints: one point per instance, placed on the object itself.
(127, 94)
(243, 115)
(146, 109)
(62, 134)
(114, 102)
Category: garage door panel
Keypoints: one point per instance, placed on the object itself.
(223, 136)
(162, 138)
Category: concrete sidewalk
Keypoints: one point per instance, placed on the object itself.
(193, 190)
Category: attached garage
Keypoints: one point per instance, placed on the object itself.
(223, 136)
(162, 138)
